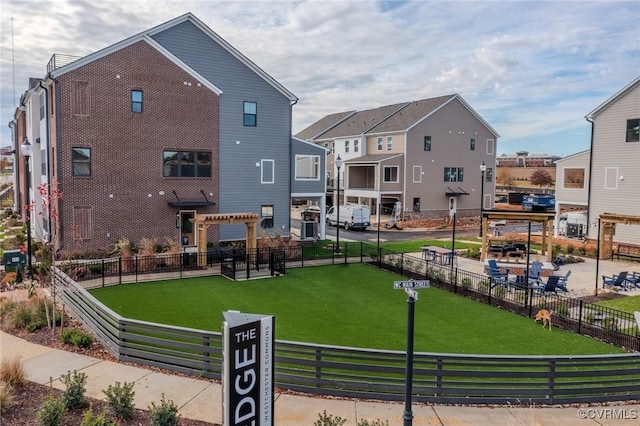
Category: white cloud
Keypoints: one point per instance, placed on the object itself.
(531, 69)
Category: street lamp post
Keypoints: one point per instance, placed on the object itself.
(27, 152)
(483, 168)
(338, 165)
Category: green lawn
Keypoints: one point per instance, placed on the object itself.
(416, 245)
(627, 304)
(346, 305)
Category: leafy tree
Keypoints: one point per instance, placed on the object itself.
(541, 178)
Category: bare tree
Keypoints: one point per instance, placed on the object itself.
(541, 178)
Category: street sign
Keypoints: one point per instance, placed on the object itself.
(411, 284)
(412, 293)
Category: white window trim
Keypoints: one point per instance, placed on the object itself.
(419, 171)
(564, 183)
(380, 143)
(317, 157)
(356, 146)
(490, 146)
(397, 174)
(273, 168)
(389, 143)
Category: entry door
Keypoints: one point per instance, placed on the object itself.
(187, 228)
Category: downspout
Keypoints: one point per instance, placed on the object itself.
(46, 120)
(590, 176)
(291, 166)
(58, 160)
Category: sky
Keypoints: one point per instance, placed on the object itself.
(532, 70)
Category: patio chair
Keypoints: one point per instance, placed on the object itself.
(633, 280)
(535, 273)
(497, 277)
(616, 281)
(562, 281)
(551, 285)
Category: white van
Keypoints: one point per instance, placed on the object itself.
(573, 224)
(351, 216)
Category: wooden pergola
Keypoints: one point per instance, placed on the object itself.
(203, 221)
(545, 218)
(608, 223)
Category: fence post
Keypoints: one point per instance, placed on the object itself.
(135, 261)
(402, 264)
(580, 318)
(346, 251)
(490, 288)
(103, 273)
(302, 255)
(455, 281)
(361, 248)
(120, 270)
(530, 293)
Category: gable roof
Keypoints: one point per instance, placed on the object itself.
(613, 98)
(147, 37)
(323, 125)
(361, 122)
(385, 119)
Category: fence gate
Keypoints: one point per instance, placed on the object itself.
(277, 262)
(228, 267)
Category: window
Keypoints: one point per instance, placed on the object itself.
(573, 178)
(346, 147)
(490, 147)
(42, 104)
(250, 114)
(416, 204)
(333, 147)
(82, 223)
(391, 174)
(356, 148)
(472, 144)
(186, 164)
(379, 144)
(136, 100)
(81, 159)
(488, 176)
(633, 130)
(417, 174)
(427, 143)
(307, 167)
(266, 213)
(267, 167)
(453, 174)
(389, 143)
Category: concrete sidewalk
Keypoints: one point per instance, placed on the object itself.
(202, 399)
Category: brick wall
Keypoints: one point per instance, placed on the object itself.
(126, 191)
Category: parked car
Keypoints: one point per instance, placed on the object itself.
(351, 216)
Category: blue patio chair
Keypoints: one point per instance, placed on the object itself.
(617, 282)
(562, 281)
(633, 280)
(535, 273)
(551, 285)
(497, 277)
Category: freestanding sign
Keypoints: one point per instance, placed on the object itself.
(248, 373)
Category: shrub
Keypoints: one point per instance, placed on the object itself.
(466, 282)
(20, 317)
(376, 422)
(499, 292)
(483, 286)
(570, 248)
(91, 419)
(120, 400)
(51, 412)
(73, 396)
(610, 323)
(325, 419)
(76, 338)
(165, 414)
(12, 372)
(7, 398)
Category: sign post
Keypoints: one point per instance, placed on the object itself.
(247, 369)
(409, 287)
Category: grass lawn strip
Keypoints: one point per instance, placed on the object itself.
(347, 305)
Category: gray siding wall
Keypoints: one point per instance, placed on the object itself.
(308, 186)
(241, 147)
(451, 129)
(613, 159)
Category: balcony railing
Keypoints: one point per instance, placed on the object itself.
(59, 60)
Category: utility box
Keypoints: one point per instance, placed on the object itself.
(14, 260)
(308, 231)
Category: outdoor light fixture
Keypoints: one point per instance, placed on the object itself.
(483, 168)
(338, 165)
(27, 151)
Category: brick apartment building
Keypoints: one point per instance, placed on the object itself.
(146, 133)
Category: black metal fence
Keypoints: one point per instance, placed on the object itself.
(362, 373)
(610, 325)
